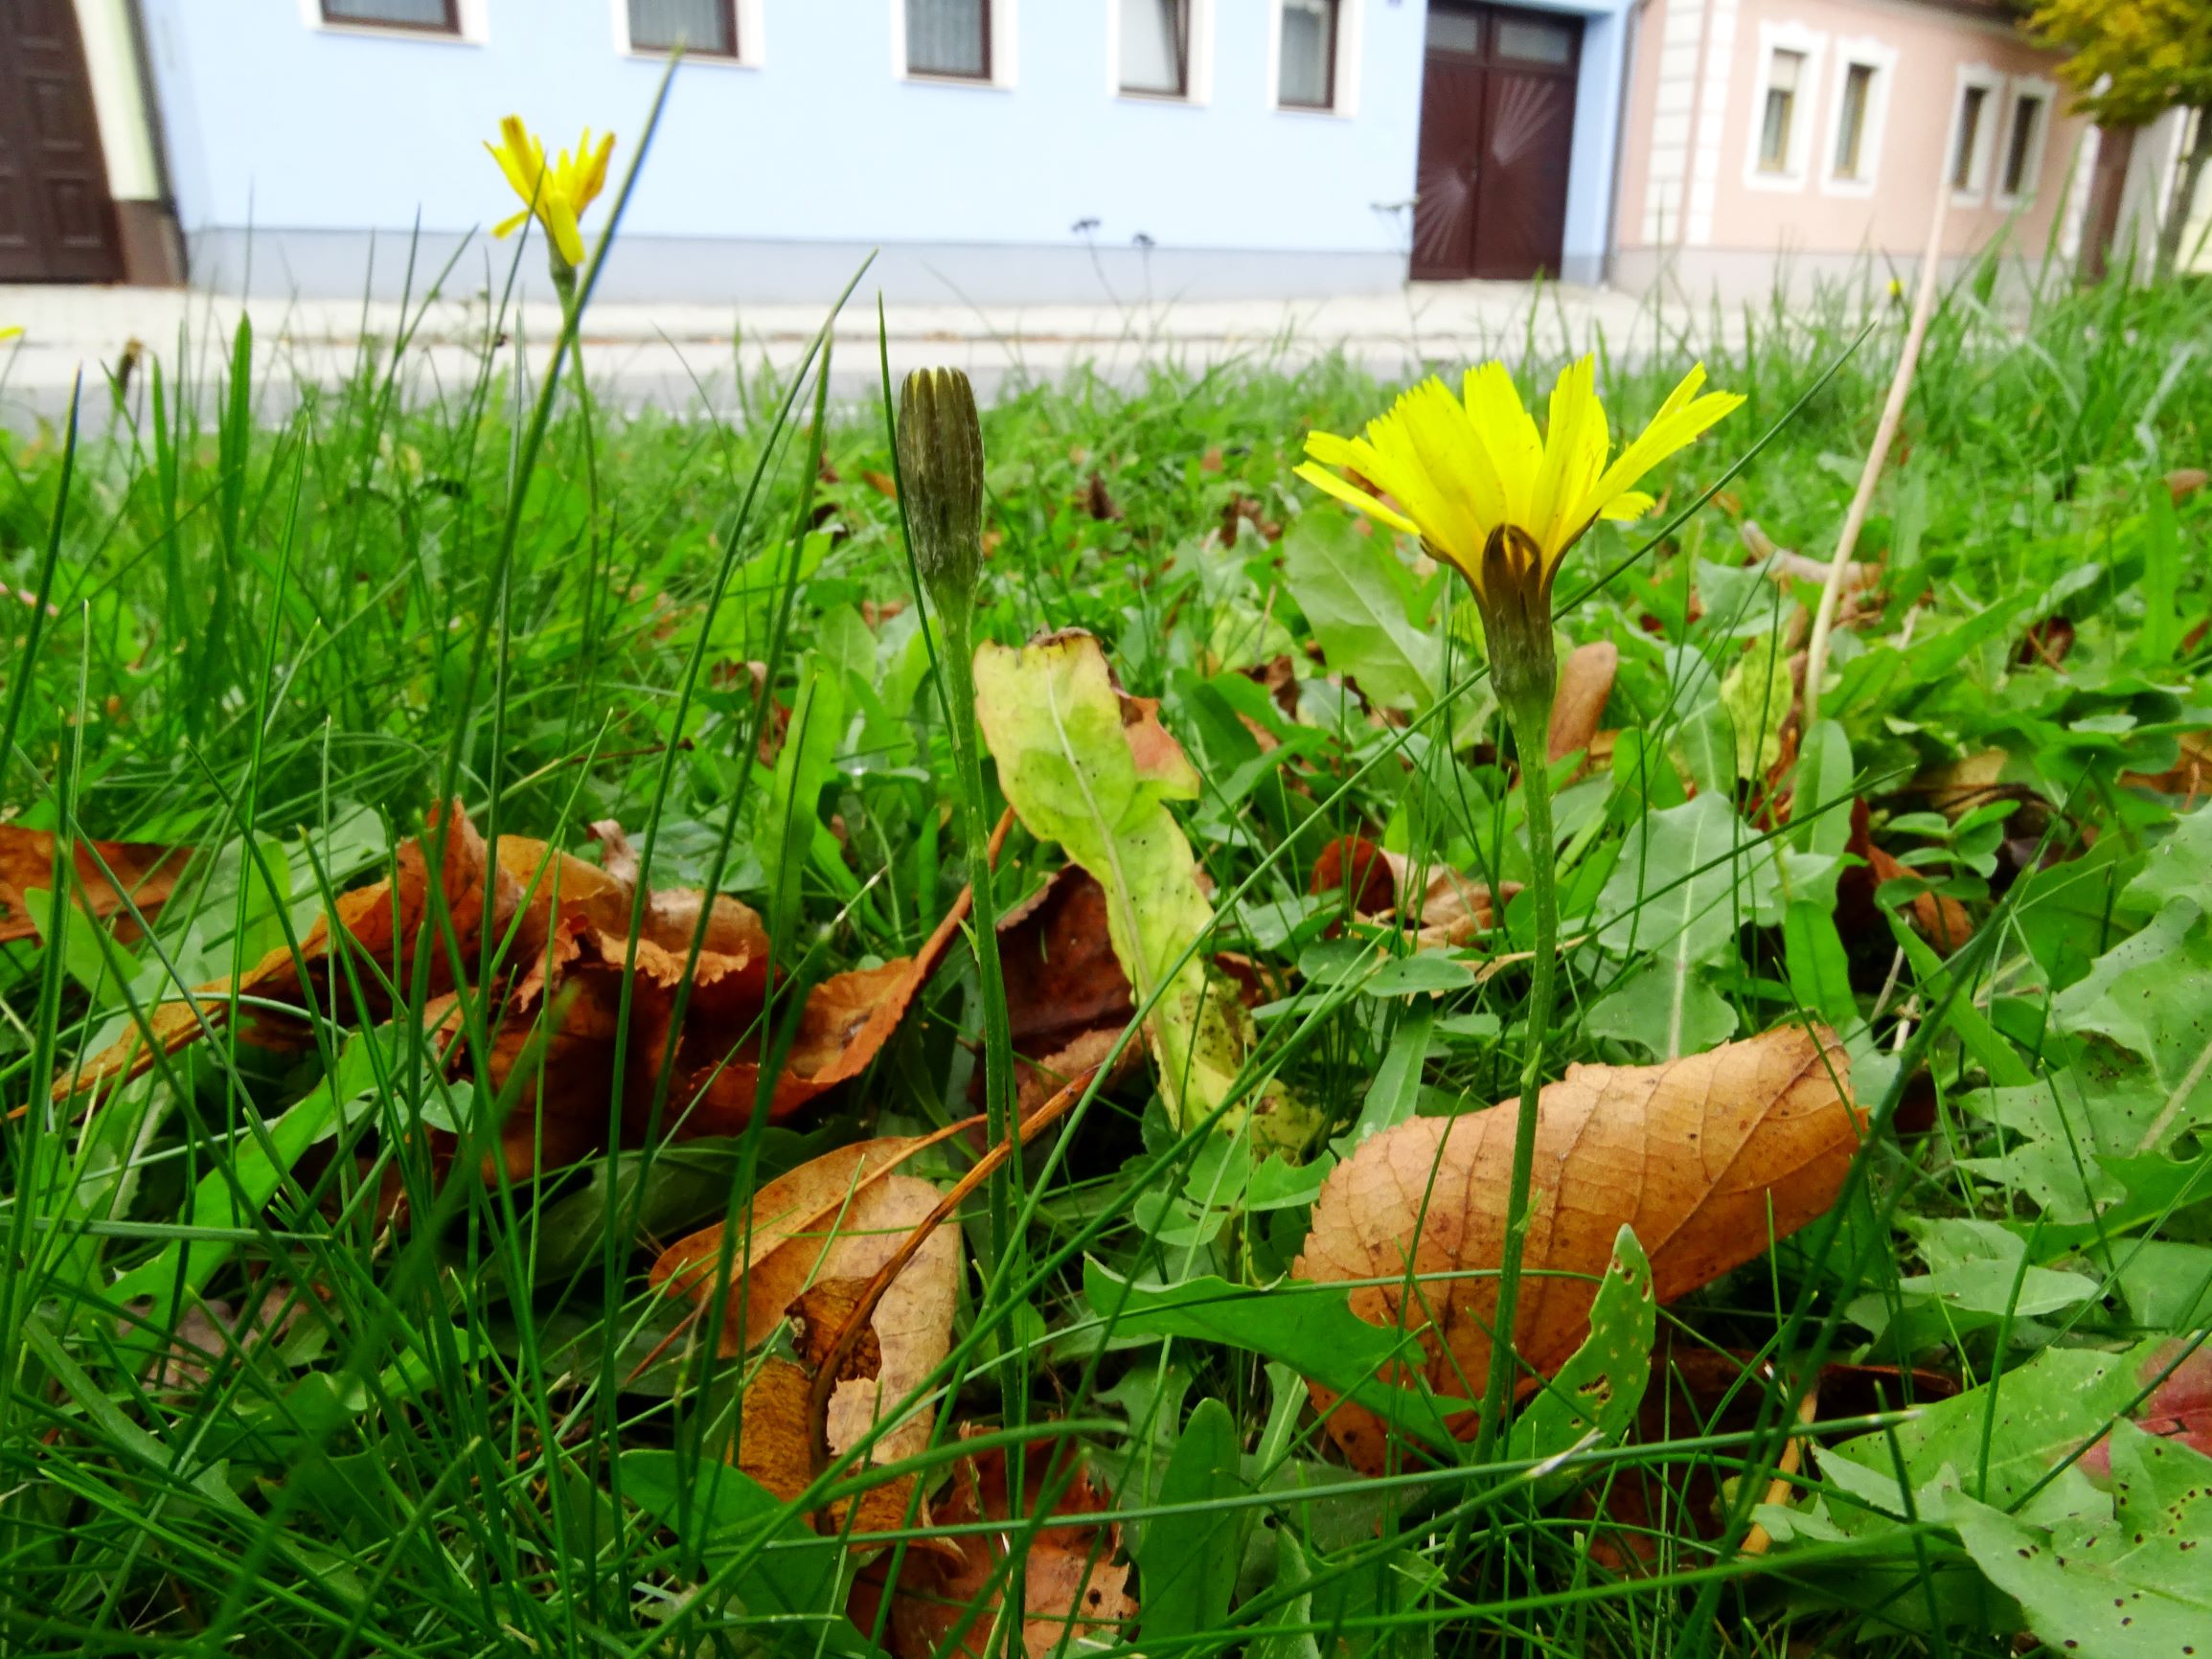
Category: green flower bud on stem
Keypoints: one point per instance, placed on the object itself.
(940, 469)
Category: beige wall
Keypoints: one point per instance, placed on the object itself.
(1695, 198)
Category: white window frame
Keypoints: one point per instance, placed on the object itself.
(752, 42)
(475, 27)
(2018, 87)
(1199, 90)
(1975, 191)
(1866, 52)
(1003, 35)
(1344, 96)
(1774, 38)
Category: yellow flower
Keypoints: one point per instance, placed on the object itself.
(559, 194)
(10, 333)
(1474, 481)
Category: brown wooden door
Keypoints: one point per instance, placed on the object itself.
(1498, 115)
(56, 222)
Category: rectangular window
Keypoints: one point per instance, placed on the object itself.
(948, 38)
(707, 28)
(1972, 104)
(2020, 175)
(1536, 40)
(1454, 31)
(1156, 47)
(1781, 112)
(1309, 76)
(1850, 120)
(430, 16)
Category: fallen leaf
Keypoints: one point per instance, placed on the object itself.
(2183, 482)
(1451, 911)
(909, 1333)
(1074, 1587)
(1709, 1157)
(1091, 769)
(147, 870)
(781, 1239)
(1585, 682)
(384, 921)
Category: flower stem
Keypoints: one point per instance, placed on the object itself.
(1531, 719)
(958, 664)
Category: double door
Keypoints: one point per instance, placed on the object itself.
(1497, 117)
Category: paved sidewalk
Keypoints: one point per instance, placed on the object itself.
(687, 357)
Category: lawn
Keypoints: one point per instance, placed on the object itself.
(578, 1212)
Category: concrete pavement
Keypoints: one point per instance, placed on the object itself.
(689, 357)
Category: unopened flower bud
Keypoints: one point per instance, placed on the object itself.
(940, 469)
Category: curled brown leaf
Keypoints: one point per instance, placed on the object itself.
(1709, 1158)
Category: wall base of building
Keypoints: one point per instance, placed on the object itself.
(677, 271)
(1734, 278)
(151, 245)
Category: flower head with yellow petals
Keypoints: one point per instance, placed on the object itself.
(1471, 477)
(557, 193)
(12, 332)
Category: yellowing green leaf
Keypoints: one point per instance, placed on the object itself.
(1093, 770)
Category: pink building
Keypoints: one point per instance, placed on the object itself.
(1805, 140)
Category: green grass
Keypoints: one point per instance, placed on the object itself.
(279, 643)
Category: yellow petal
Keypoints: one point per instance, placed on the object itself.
(509, 225)
(1321, 478)
(560, 224)
(1493, 408)
(1574, 454)
(1681, 420)
(1628, 504)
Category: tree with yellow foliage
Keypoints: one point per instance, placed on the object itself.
(2129, 63)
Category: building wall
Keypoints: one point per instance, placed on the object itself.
(770, 179)
(1698, 211)
(144, 227)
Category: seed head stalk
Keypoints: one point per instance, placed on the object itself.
(940, 442)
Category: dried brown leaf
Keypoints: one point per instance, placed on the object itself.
(1073, 1587)
(1708, 1158)
(147, 871)
(1586, 683)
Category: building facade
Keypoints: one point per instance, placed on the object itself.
(1794, 140)
(1032, 150)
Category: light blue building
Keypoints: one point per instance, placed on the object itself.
(992, 150)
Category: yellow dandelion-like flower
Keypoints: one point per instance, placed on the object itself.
(1472, 478)
(559, 192)
(14, 331)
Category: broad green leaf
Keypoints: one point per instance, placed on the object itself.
(1354, 593)
(1093, 771)
(1602, 1382)
(1311, 1329)
(1819, 971)
(2123, 1584)
(2168, 1286)
(1685, 882)
(1821, 791)
(1665, 1007)
(2153, 996)
(2044, 1411)
(2180, 867)
(2067, 1133)
(1189, 1560)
